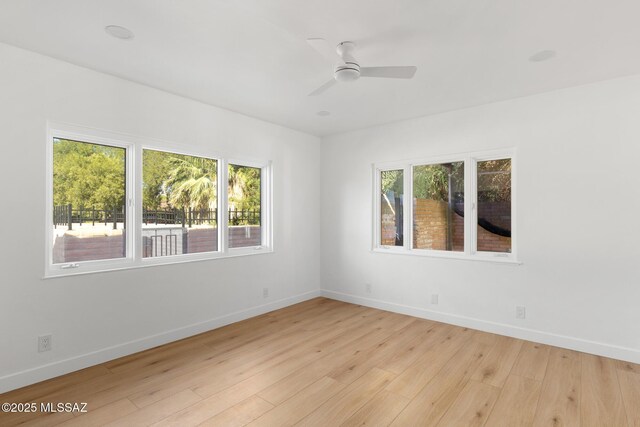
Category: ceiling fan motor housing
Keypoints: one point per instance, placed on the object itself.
(349, 70)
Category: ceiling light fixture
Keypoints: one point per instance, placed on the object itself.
(323, 113)
(119, 32)
(543, 55)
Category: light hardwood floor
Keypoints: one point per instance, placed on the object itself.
(328, 363)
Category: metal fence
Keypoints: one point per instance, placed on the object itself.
(186, 218)
(67, 215)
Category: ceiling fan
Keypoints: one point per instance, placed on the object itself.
(348, 69)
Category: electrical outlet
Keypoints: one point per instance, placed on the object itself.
(367, 287)
(521, 312)
(265, 292)
(434, 299)
(44, 343)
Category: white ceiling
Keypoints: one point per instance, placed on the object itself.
(251, 56)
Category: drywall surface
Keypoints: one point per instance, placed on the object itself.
(577, 219)
(100, 316)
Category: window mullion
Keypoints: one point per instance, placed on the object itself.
(408, 207)
(471, 207)
(223, 205)
(135, 200)
(266, 196)
(377, 214)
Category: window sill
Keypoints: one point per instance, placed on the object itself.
(128, 264)
(499, 259)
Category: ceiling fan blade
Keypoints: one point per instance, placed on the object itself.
(324, 87)
(389, 72)
(323, 48)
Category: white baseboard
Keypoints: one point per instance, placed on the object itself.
(586, 346)
(51, 370)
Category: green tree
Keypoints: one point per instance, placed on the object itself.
(244, 187)
(155, 170)
(432, 181)
(88, 175)
(392, 181)
(191, 182)
(494, 180)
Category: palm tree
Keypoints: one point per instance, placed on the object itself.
(192, 183)
(244, 187)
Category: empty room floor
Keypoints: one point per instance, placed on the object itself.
(329, 363)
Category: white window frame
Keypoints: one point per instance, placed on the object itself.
(197, 256)
(63, 131)
(406, 185)
(134, 148)
(470, 252)
(265, 207)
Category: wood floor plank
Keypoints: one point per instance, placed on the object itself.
(154, 356)
(362, 361)
(601, 398)
(379, 411)
(430, 404)
(495, 368)
(517, 403)
(347, 402)
(630, 388)
(241, 414)
(102, 416)
(157, 411)
(628, 366)
(423, 342)
(532, 361)
(204, 409)
(336, 352)
(293, 383)
(472, 407)
(216, 404)
(350, 339)
(414, 378)
(224, 371)
(559, 403)
(301, 404)
(44, 420)
(262, 331)
(302, 355)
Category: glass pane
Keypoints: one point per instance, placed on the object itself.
(180, 204)
(494, 205)
(391, 209)
(89, 191)
(438, 207)
(244, 206)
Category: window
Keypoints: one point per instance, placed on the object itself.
(494, 205)
(460, 207)
(245, 203)
(180, 204)
(89, 202)
(438, 207)
(117, 201)
(391, 210)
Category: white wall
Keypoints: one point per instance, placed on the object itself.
(577, 215)
(100, 316)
